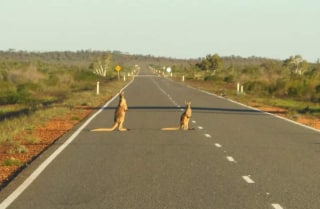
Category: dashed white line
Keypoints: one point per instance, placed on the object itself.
(231, 159)
(200, 127)
(276, 206)
(218, 145)
(207, 135)
(194, 121)
(248, 179)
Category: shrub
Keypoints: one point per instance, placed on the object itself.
(28, 87)
(31, 140)
(229, 79)
(84, 75)
(53, 80)
(293, 91)
(257, 87)
(317, 88)
(11, 162)
(211, 78)
(9, 97)
(278, 87)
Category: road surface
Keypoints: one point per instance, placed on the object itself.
(235, 158)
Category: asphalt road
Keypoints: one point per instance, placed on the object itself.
(235, 158)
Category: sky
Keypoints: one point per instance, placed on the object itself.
(169, 28)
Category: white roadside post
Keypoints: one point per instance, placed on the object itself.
(238, 88)
(98, 87)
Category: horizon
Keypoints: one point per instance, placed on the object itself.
(145, 55)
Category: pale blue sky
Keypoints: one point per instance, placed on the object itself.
(171, 28)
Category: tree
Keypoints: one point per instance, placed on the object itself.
(102, 65)
(296, 64)
(268, 67)
(210, 63)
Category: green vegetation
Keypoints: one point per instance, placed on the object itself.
(11, 162)
(37, 87)
(293, 83)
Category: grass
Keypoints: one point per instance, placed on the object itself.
(17, 149)
(295, 108)
(29, 139)
(23, 125)
(11, 108)
(12, 162)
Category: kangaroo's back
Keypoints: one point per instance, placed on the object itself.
(185, 117)
(121, 109)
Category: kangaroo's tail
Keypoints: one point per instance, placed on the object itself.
(170, 129)
(106, 129)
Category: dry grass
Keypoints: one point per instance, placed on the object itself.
(25, 124)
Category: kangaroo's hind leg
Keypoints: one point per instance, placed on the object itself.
(121, 127)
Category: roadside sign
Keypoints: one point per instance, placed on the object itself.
(118, 68)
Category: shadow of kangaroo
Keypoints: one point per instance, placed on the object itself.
(184, 119)
(119, 115)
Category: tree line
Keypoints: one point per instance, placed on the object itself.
(293, 77)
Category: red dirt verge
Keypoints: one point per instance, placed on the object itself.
(48, 133)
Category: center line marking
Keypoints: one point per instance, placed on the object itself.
(276, 206)
(231, 159)
(200, 127)
(194, 121)
(218, 145)
(248, 179)
(207, 135)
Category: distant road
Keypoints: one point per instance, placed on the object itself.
(236, 158)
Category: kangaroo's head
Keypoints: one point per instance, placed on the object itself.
(122, 101)
(121, 95)
(188, 104)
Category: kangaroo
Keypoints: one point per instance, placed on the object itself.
(119, 115)
(184, 119)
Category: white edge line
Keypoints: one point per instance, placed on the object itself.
(274, 115)
(15, 194)
(276, 206)
(277, 116)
